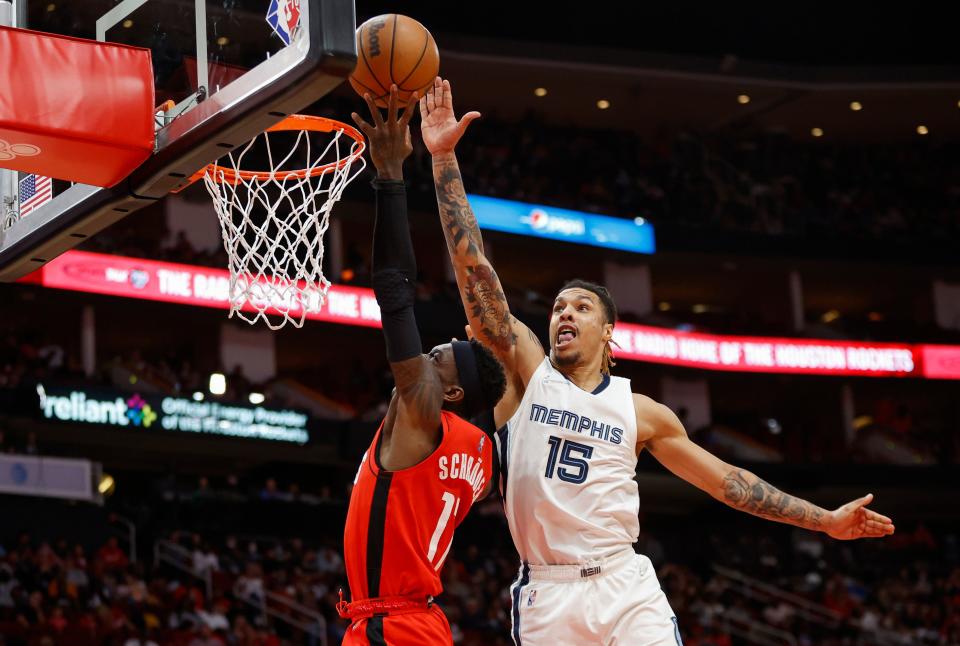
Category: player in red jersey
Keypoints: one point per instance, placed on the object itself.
(426, 465)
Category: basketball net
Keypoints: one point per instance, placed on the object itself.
(273, 221)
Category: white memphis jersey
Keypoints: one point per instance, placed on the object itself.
(568, 460)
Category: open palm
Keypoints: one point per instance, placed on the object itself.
(438, 124)
(854, 520)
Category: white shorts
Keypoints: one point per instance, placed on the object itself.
(613, 602)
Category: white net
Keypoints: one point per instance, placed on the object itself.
(274, 221)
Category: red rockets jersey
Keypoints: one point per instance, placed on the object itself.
(400, 524)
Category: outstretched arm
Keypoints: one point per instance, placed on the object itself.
(484, 302)
(394, 269)
(668, 442)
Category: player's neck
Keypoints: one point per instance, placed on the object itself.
(585, 376)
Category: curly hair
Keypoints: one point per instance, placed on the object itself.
(609, 310)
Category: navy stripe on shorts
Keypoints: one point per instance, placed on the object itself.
(523, 580)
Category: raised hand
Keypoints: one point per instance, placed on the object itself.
(854, 520)
(389, 140)
(438, 124)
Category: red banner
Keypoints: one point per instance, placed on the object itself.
(781, 355)
(187, 284)
(190, 285)
(941, 361)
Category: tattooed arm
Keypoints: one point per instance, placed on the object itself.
(662, 433)
(485, 304)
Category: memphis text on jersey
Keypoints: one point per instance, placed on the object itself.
(573, 422)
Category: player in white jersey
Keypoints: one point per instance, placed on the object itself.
(570, 445)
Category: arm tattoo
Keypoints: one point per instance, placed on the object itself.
(483, 297)
(533, 337)
(418, 386)
(487, 304)
(459, 222)
(747, 492)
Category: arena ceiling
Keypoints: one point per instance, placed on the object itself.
(688, 65)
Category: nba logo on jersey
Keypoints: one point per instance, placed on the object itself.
(284, 17)
(531, 598)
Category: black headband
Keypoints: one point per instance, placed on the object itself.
(473, 399)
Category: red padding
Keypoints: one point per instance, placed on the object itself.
(74, 109)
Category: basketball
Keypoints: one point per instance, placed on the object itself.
(394, 49)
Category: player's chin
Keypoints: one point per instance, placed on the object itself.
(565, 356)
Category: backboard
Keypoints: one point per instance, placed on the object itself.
(226, 69)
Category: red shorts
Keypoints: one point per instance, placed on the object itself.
(425, 628)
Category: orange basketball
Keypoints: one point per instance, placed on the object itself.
(394, 49)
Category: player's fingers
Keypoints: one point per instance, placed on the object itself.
(877, 522)
(447, 94)
(883, 528)
(432, 96)
(363, 125)
(880, 518)
(468, 330)
(410, 109)
(423, 108)
(392, 104)
(875, 531)
(438, 90)
(374, 110)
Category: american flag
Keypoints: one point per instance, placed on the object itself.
(35, 191)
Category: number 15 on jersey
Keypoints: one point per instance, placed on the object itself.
(573, 458)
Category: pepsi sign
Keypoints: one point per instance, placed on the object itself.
(540, 221)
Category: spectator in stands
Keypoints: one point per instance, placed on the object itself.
(75, 573)
(250, 586)
(293, 493)
(214, 616)
(204, 558)
(111, 558)
(329, 561)
(148, 640)
(203, 491)
(8, 583)
(232, 559)
(326, 494)
(47, 562)
(52, 356)
(232, 490)
(918, 602)
(270, 490)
